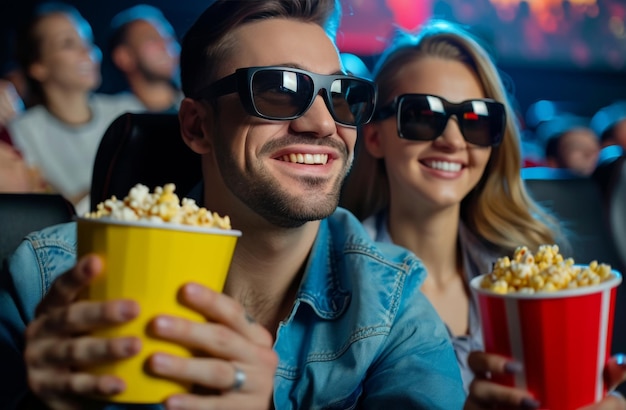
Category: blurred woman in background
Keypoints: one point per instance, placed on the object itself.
(60, 135)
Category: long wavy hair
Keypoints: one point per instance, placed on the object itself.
(498, 210)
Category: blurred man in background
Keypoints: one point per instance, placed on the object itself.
(144, 48)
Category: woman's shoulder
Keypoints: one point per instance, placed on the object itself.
(31, 116)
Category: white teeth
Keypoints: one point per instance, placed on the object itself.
(445, 166)
(311, 159)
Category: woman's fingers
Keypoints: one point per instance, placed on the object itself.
(484, 364)
(486, 394)
(615, 371)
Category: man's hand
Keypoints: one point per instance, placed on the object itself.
(234, 355)
(58, 345)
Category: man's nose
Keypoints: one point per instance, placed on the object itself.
(317, 120)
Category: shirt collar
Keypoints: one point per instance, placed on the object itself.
(320, 286)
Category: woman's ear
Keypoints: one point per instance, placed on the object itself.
(195, 120)
(371, 140)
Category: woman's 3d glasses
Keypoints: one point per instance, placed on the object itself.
(284, 93)
(422, 117)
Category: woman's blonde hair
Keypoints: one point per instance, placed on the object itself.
(498, 210)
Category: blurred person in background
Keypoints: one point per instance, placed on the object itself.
(15, 175)
(610, 124)
(11, 104)
(144, 48)
(60, 135)
(570, 144)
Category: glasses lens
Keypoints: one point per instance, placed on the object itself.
(482, 122)
(352, 101)
(281, 94)
(421, 117)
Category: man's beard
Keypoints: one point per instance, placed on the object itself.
(265, 195)
(153, 76)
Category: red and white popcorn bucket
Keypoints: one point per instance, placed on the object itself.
(562, 338)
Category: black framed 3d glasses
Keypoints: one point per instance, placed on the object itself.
(285, 93)
(423, 117)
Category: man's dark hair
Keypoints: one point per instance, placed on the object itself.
(141, 12)
(207, 41)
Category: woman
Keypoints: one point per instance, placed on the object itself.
(443, 153)
(60, 135)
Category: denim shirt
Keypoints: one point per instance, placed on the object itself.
(477, 260)
(360, 333)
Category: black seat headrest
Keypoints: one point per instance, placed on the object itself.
(143, 148)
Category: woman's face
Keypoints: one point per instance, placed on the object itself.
(439, 173)
(67, 56)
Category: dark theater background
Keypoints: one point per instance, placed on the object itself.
(572, 52)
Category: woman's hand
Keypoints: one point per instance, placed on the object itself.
(615, 374)
(234, 358)
(58, 344)
(486, 394)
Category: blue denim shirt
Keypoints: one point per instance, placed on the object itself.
(477, 259)
(360, 333)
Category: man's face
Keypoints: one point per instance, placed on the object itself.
(288, 172)
(154, 50)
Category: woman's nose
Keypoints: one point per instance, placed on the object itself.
(451, 136)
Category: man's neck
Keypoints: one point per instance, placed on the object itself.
(267, 269)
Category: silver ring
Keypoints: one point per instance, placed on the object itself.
(240, 379)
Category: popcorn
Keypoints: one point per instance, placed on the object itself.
(545, 271)
(161, 206)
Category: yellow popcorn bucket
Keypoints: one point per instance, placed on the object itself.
(149, 262)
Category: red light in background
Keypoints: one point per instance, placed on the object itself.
(409, 14)
(367, 26)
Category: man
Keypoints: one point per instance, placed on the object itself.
(143, 47)
(338, 321)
